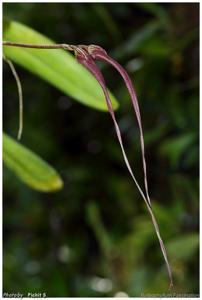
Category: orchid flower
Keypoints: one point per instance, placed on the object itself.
(86, 55)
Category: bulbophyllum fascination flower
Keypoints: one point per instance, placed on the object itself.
(86, 55)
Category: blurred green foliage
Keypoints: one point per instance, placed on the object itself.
(95, 238)
(29, 167)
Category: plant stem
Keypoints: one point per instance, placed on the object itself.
(42, 46)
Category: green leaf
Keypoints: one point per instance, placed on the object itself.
(137, 40)
(183, 247)
(56, 66)
(29, 167)
(175, 147)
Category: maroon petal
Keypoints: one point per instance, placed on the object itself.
(86, 60)
(100, 54)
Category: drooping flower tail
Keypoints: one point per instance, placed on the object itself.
(100, 54)
(88, 62)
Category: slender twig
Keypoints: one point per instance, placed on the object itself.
(75, 48)
(20, 95)
(42, 46)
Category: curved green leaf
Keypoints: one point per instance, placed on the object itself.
(29, 167)
(56, 66)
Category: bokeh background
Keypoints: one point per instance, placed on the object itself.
(95, 237)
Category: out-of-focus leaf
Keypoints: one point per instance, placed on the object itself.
(157, 47)
(173, 148)
(192, 157)
(58, 67)
(29, 167)
(183, 247)
(108, 21)
(136, 40)
(95, 221)
(153, 135)
(156, 9)
(187, 39)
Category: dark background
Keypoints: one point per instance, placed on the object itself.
(95, 237)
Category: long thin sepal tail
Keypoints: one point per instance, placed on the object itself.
(86, 60)
(100, 54)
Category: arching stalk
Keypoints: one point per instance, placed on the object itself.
(20, 96)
